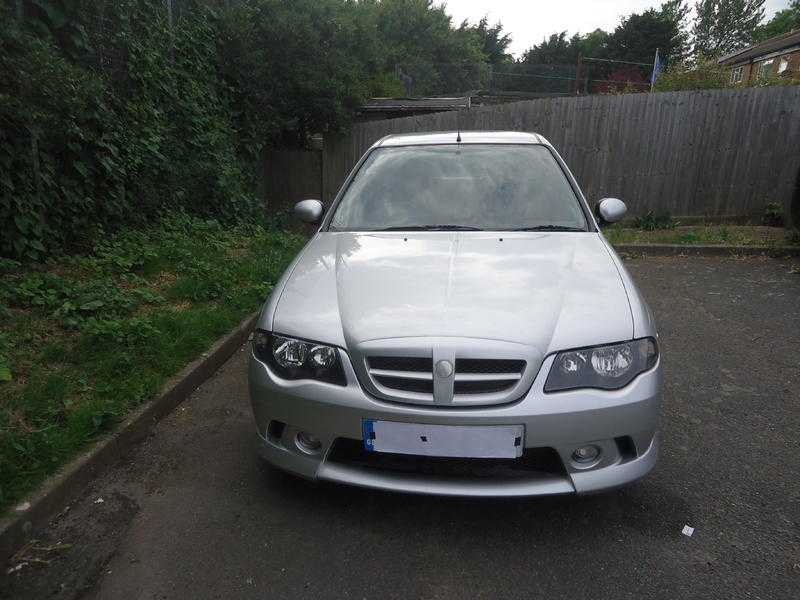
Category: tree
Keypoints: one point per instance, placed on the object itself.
(417, 36)
(722, 26)
(556, 49)
(295, 70)
(638, 35)
(784, 21)
(594, 44)
(493, 42)
(676, 13)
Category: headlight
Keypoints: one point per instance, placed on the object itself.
(291, 358)
(605, 367)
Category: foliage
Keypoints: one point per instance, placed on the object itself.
(492, 41)
(417, 37)
(635, 39)
(560, 49)
(111, 112)
(638, 36)
(82, 147)
(88, 337)
(296, 68)
(773, 215)
(731, 235)
(707, 74)
(722, 26)
(703, 75)
(652, 221)
(783, 21)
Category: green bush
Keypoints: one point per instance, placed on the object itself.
(707, 74)
(704, 75)
(84, 146)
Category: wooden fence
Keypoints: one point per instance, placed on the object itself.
(721, 153)
(289, 176)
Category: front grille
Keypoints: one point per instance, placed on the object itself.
(400, 363)
(419, 386)
(411, 377)
(486, 375)
(410, 374)
(482, 387)
(533, 461)
(489, 365)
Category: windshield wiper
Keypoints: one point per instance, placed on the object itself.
(549, 228)
(432, 228)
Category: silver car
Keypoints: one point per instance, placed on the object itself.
(458, 325)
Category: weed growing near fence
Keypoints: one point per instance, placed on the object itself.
(87, 338)
(702, 234)
(652, 221)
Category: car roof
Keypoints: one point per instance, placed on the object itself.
(467, 137)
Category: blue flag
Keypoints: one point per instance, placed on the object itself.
(658, 67)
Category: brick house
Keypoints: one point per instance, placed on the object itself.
(775, 57)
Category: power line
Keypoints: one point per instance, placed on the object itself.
(572, 78)
(608, 60)
(531, 75)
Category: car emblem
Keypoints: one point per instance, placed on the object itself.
(444, 369)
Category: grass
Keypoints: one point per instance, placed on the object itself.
(732, 235)
(85, 339)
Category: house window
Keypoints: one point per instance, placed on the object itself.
(765, 68)
(736, 75)
(783, 65)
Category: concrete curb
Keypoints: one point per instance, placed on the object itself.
(706, 250)
(58, 489)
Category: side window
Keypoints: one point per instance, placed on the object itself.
(765, 68)
(736, 75)
(783, 65)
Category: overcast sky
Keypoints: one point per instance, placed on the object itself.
(529, 21)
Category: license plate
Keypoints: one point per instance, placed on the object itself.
(456, 441)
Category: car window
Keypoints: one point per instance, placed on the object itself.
(494, 187)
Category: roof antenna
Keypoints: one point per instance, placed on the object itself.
(468, 105)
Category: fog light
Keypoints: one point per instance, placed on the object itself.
(586, 454)
(307, 442)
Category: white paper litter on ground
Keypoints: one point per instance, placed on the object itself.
(688, 531)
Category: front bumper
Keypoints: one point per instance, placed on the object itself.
(621, 423)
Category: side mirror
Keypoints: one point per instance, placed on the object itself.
(611, 210)
(309, 211)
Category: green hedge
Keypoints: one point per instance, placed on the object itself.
(108, 119)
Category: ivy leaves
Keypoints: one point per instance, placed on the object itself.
(87, 144)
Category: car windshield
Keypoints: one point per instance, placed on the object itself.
(460, 187)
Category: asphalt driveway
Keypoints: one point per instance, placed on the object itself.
(192, 514)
